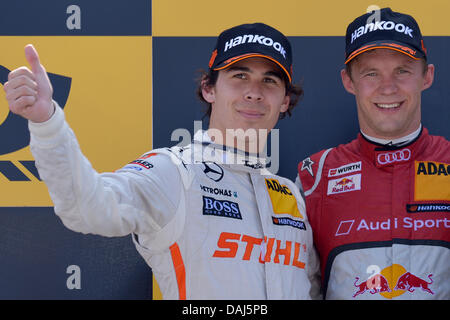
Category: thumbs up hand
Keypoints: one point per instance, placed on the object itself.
(29, 92)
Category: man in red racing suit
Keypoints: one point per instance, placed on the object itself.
(380, 215)
(379, 205)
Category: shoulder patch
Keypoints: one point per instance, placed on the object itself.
(307, 165)
(310, 170)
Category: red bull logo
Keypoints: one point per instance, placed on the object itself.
(410, 282)
(345, 184)
(392, 282)
(375, 284)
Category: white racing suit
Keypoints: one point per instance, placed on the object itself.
(210, 222)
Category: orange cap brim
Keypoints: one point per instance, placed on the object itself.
(233, 60)
(384, 45)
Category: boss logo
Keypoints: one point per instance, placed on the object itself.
(396, 156)
(222, 208)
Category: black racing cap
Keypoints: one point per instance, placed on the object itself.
(252, 40)
(384, 29)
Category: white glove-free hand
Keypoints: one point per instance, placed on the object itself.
(29, 92)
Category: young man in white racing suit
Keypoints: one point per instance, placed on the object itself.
(209, 219)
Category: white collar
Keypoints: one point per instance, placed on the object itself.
(395, 142)
(206, 150)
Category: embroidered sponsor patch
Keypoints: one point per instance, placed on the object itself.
(213, 171)
(142, 163)
(219, 191)
(344, 184)
(389, 158)
(348, 168)
(289, 222)
(283, 201)
(148, 155)
(428, 207)
(432, 181)
(221, 208)
(131, 167)
(307, 165)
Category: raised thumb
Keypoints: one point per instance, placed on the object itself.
(33, 59)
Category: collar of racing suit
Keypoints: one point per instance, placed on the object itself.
(384, 155)
(207, 151)
(395, 142)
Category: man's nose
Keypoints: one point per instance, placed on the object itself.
(388, 85)
(254, 92)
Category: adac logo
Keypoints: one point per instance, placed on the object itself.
(393, 281)
(432, 181)
(433, 168)
(14, 134)
(283, 201)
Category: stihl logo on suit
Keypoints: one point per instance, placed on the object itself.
(270, 249)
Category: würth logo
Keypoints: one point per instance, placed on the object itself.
(351, 167)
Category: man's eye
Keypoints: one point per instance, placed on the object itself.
(269, 80)
(371, 74)
(240, 76)
(403, 71)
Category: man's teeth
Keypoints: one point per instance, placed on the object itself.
(388, 106)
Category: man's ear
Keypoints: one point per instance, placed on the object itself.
(429, 77)
(285, 105)
(208, 92)
(347, 81)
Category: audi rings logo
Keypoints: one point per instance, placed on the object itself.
(396, 156)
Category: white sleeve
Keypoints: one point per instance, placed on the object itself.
(108, 204)
(314, 262)
(314, 275)
(298, 184)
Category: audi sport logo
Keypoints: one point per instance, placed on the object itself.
(396, 156)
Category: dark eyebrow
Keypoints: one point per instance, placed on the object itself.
(233, 68)
(245, 69)
(275, 74)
